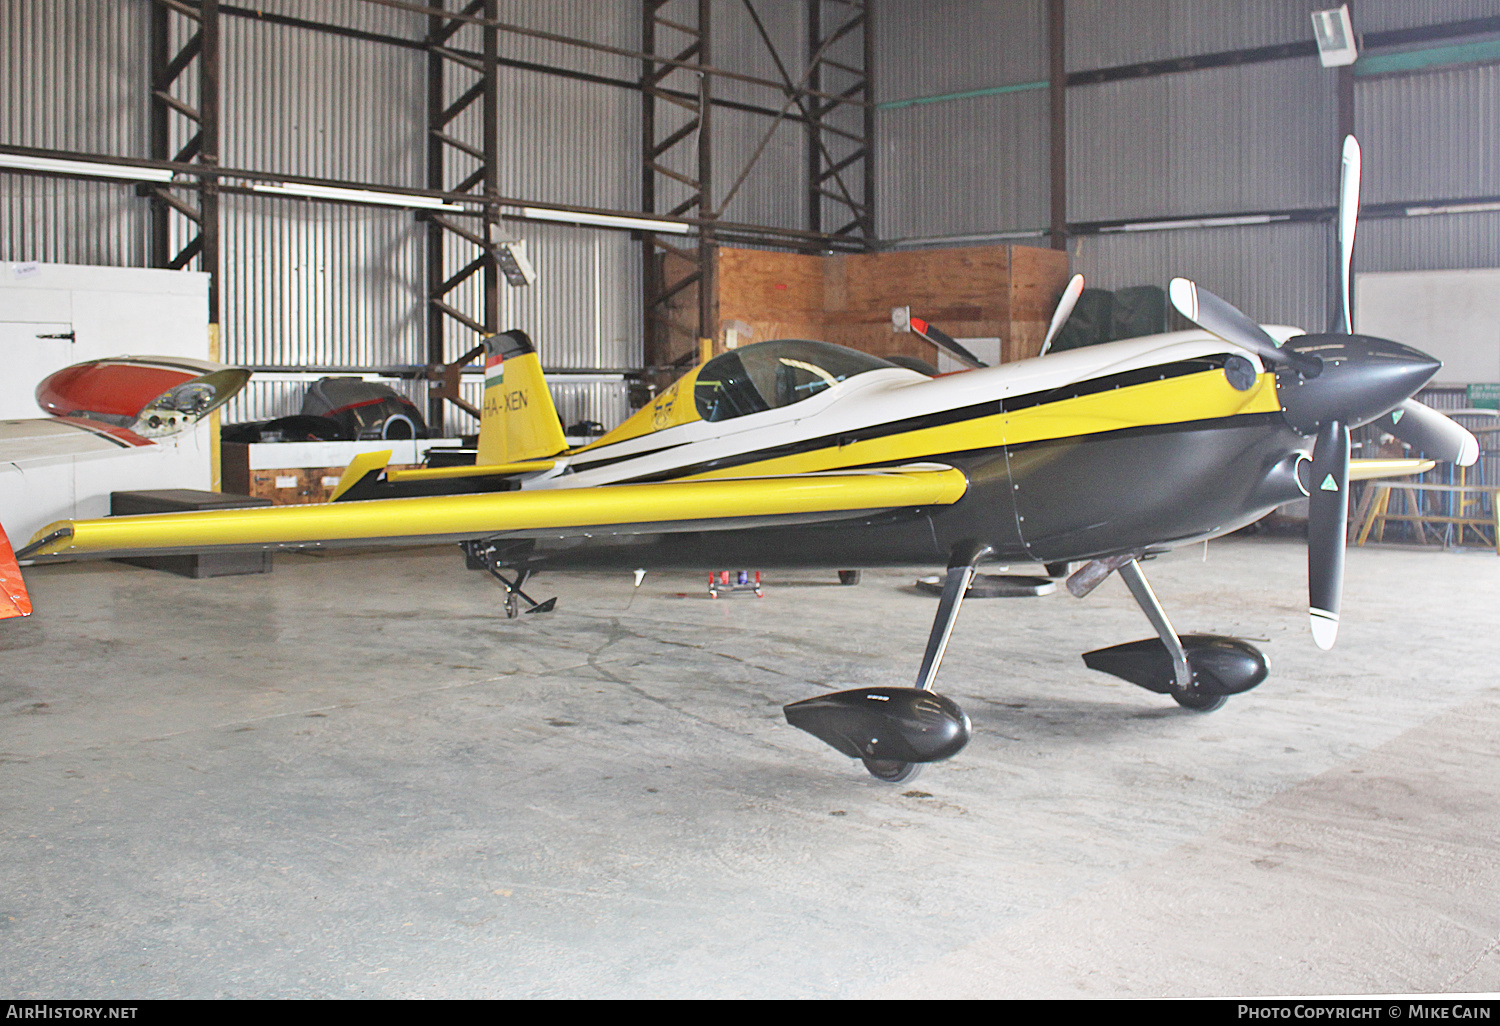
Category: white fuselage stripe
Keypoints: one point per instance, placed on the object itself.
(881, 397)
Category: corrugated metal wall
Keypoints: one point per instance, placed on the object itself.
(772, 193)
(1253, 137)
(1106, 33)
(311, 284)
(314, 284)
(1447, 123)
(969, 165)
(98, 105)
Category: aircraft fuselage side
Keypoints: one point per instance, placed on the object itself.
(1063, 456)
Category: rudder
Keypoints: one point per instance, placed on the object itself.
(518, 421)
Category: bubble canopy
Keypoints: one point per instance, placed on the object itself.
(769, 375)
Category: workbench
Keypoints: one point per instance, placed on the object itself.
(1374, 509)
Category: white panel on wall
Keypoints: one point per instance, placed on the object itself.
(1450, 314)
(112, 311)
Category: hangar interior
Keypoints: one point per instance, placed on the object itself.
(355, 776)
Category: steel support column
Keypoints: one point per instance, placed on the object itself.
(1058, 104)
(840, 114)
(680, 305)
(476, 168)
(185, 128)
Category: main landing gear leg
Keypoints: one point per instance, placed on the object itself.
(896, 731)
(955, 586)
(1182, 673)
(1199, 671)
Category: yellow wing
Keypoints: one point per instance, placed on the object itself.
(555, 513)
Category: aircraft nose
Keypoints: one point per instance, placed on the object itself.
(1362, 377)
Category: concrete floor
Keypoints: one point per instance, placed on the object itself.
(354, 778)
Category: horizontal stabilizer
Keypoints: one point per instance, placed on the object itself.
(491, 470)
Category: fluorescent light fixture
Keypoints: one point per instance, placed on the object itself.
(85, 167)
(1335, 35)
(644, 224)
(331, 192)
(1198, 222)
(1453, 208)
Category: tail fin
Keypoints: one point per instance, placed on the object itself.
(519, 421)
(13, 598)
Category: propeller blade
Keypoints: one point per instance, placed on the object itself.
(946, 342)
(1327, 526)
(1217, 317)
(1064, 310)
(1431, 432)
(1348, 218)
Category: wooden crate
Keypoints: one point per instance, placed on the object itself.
(285, 486)
(1004, 292)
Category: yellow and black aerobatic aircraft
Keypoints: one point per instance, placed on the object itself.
(797, 454)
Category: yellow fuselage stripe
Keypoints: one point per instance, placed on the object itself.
(494, 512)
(1189, 397)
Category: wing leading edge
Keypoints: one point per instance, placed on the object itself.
(556, 512)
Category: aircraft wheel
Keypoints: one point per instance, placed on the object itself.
(1199, 702)
(891, 771)
(512, 607)
(848, 576)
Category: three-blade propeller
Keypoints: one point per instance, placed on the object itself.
(1365, 378)
(1328, 509)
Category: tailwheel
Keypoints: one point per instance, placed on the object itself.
(848, 577)
(1199, 701)
(512, 606)
(891, 771)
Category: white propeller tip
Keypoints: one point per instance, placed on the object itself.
(1184, 296)
(1469, 454)
(1325, 627)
